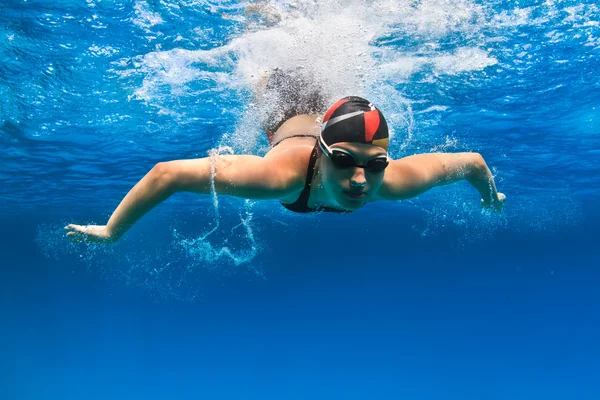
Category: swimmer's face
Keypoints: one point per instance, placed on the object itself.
(352, 187)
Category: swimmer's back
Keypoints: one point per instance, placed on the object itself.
(301, 130)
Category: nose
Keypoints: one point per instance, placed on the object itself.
(358, 179)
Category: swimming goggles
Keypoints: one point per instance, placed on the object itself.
(343, 159)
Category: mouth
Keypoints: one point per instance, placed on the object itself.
(355, 195)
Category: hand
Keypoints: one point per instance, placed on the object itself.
(495, 205)
(89, 233)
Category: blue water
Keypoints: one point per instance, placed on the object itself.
(221, 298)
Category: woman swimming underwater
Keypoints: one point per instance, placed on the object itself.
(335, 162)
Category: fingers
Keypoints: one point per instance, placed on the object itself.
(75, 236)
(73, 227)
(87, 233)
(496, 205)
(76, 233)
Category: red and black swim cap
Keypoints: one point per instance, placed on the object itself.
(354, 119)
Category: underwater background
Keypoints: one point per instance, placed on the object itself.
(225, 298)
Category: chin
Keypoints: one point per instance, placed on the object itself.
(351, 204)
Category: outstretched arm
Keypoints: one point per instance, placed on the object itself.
(245, 176)
(411, 176)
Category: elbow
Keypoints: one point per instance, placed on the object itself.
(478, 160)
(162, 176)
(477, 166)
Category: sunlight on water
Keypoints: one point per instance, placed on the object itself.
(341, 45)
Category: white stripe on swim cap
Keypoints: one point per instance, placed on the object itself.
(340, 118)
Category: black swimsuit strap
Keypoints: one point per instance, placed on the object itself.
(294, 136)
(301, 205)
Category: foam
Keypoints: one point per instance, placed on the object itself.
(144, 17)
(341, 45)
(463, 60)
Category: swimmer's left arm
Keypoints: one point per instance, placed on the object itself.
(414, 175)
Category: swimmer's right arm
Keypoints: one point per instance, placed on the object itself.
(253, 177)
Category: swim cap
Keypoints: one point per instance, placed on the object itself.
(354, 119)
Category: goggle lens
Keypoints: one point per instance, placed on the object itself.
(344, 160)
(377, 164)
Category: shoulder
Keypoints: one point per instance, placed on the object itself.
(291, 163)
(292, 153)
